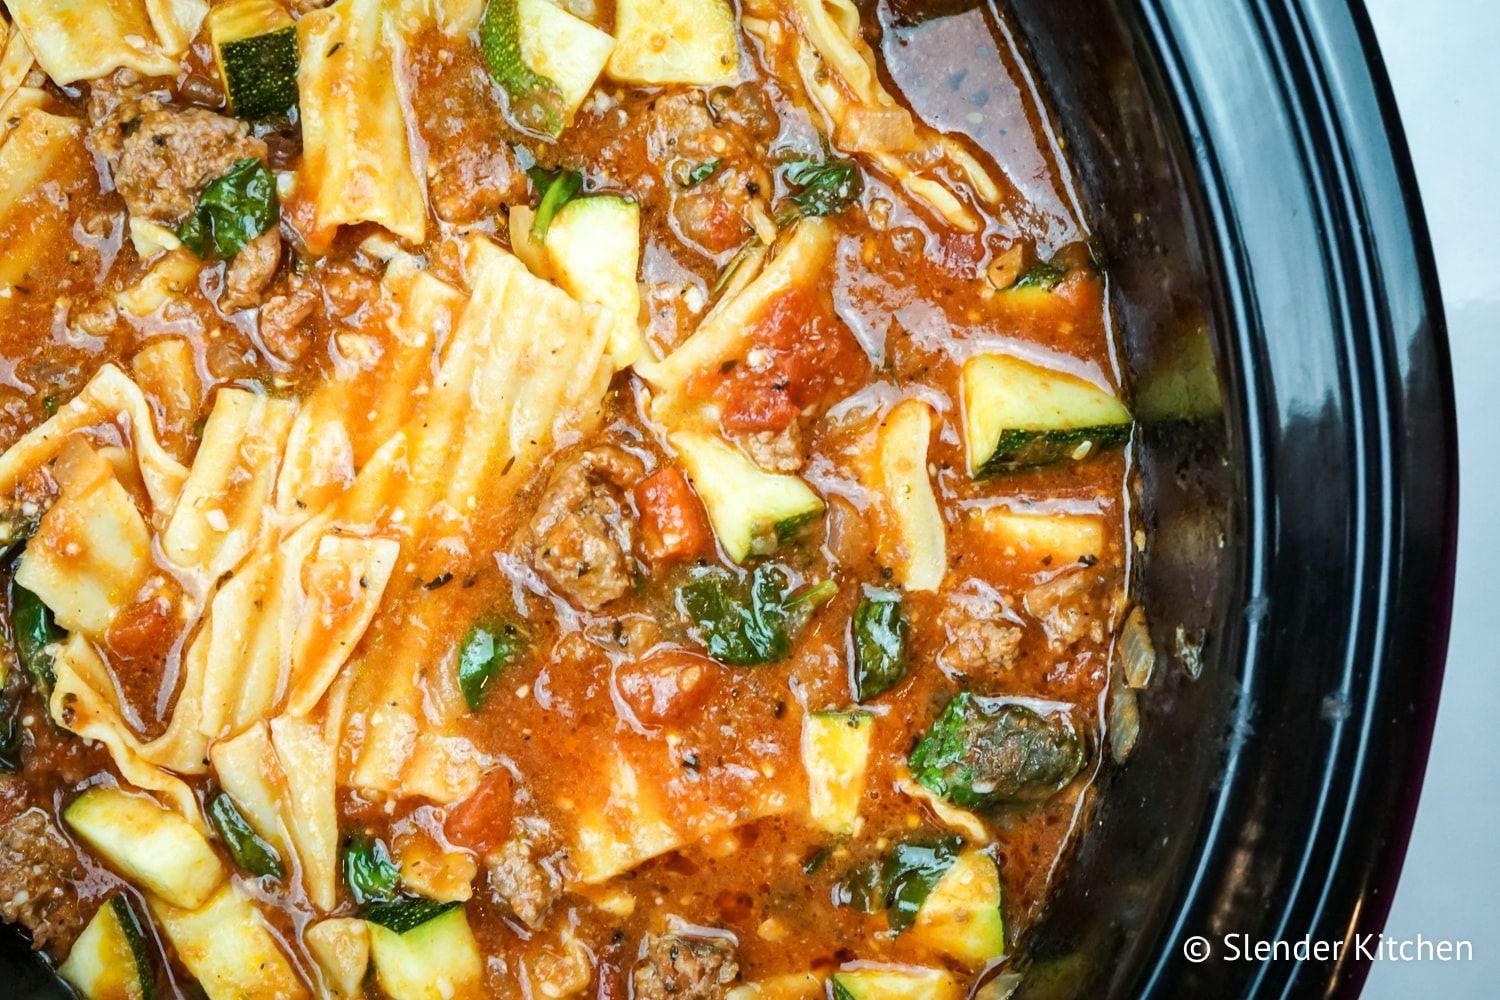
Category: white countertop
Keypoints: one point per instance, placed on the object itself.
(1443, 58)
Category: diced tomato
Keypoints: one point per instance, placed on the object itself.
(481, 822)
(806, 356)
(144, 630)
(667, 685)
(674, 525)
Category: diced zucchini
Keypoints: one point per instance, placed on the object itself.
(894, 982)
(675, 41)
(1048, 539)
(255, 44)
(751, 510)
(229, 948)
(1018, 415)
(562, 48)
(433, 960)
(594, 247)
(961, 917)
(524, 244)
(151, 846)
(918, 550)
(836, 754)
(341, 947)
(109, 960)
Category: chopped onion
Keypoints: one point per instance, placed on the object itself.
(1137, 655)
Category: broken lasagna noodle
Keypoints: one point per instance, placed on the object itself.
(514, 497)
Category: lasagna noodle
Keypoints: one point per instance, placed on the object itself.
(345, 421)
(630, 820)
(357, 157)
(525, 371)
(837, 70)
(42, 159)
(109, 397)
(83, 702)
(76, 40)
(92, 551)
(219, 512)
(15, 61)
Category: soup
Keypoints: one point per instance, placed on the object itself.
(527, 499)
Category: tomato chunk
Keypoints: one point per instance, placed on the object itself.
(674, 525)
(667, 685)
(481, 822)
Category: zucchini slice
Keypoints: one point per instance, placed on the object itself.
(229, 948)
(675, 41)
(751, 510)
(151, 846)
(544, 58)
(594, 247)
(961, 917)
(894, 982)
(109, 960)
(836, 754)
(255, 45)
(1018, 415)
(435, 959)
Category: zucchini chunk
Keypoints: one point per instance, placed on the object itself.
(544, 58)
(255, 45)
(751, 510)
(594, 248)
(675, 41)
(229, 948)
(961, 917)
(151, 846)
(1017, 415)
(836, 754)
(423, 950)
(894, 982)
(109, 960)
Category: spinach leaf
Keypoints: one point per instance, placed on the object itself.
(34, 632)
(371, 875)
(878, 634)
(827, 187)
(250, 851)
(232, 211)
(557, 189)
(987, 751)
(745, 624)
(910, 871)
(487, 650)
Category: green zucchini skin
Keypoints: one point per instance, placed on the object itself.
(534, 102)
(1021, 449)
(259, 71)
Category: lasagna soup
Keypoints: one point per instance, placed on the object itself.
(546, 498)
